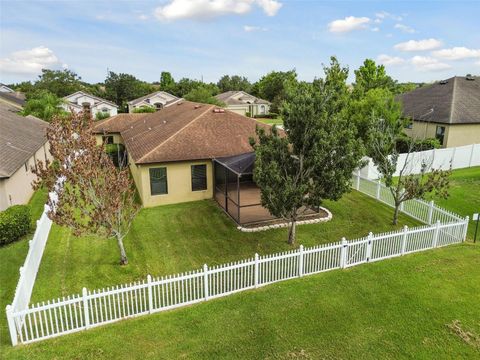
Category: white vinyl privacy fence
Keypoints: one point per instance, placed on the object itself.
(457, 158)
(98, 307)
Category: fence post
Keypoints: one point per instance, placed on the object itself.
(11, 325)
(452, 161)
(358, 179)
(471, 156)
(404, 239)
(300, 262)
(86, 312)
(256, 270)
(205, 281)
(378, 189)
(430, 212)
(369, 246)
(467, 219)
(150, 295)
(436, 233)
(343, 253)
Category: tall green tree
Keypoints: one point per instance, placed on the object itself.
(167, 83)
(371, 76)
(273, 87)
(234, 82)
(121, 88)
(44, 105)
(313, 159)
(59, 82)
(203, 94)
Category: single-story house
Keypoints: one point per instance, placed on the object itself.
(448, 110)
(82, 101)
(158, 100)
(243, 103)
(11, 97)
(22, 142)
(190, 151)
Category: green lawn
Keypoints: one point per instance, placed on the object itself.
(464, 195)
(277, 121)
(175, 238)
(399, 308)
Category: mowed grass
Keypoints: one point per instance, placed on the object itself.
(277, 121)
(182, 237)
(395, 309)
(464, 195)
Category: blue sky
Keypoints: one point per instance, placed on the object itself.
(416, 40)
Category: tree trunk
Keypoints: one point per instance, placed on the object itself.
(395, 214)
(123, 254)
(292, 232)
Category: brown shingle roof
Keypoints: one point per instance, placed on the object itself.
(117, 123)
(227, 98)
(188, 131)
(20, 138)
(454, 101)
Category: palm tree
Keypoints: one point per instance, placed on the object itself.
(44, 105)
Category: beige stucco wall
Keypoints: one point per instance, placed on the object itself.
(455, 135)
(17, 189)
(179, 182)
(254, 109)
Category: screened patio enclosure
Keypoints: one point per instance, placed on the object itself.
(237, 193)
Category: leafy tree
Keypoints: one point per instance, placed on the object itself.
(405, 87)
(185, 85)
(384, 153)
(203, 94)
(167, 83)
(25, 87)
(101, 115)
(120, 88)
(371, 76)
(234, 82)
(59, 82)
(92, 195)
(379, 103)
(273, 87)
(313, 160)
(44, 105)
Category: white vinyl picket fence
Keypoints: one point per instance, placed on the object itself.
(98, 307)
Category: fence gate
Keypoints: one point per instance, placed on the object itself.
(357, 252)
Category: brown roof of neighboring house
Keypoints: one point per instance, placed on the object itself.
(20, 138)
(117, 123)
(186, 131)
(16, 99)
(452, 101)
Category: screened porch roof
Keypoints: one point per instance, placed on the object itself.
(239, 164)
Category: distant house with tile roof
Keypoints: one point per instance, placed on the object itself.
(22, 142)
(448, 110)
(171, 151)
(83, 101)
(244, 104)
(158, 100)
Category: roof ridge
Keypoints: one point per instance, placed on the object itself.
(452, 104)
(175, 133)
(108, 119)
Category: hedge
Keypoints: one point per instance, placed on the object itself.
(15, 222)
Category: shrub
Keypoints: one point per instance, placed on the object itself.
(14, 223)
(247, 114)
(271, 115)
(145, 109)
(419, 145)
(101, 115)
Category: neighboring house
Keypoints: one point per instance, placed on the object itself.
(5, 88)
(22, 142)
(243, 103)
(82, 101)
(448, 110)
(171, 151)
(11, 97)
(158, 100)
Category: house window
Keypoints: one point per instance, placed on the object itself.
(158, 106)
(262, 109)
(105, 111)
(440, 134)
(199, 177)
(107, 139)
(158, 181)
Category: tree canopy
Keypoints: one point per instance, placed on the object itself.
(371, 76)
(44, 105)
(121, 88)
(273, 87)
(234, 82)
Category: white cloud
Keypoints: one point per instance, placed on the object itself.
(375, 29)
(457, 53)
(419, 45)
(404, 28)
(425, 63)
(249, 28)
(390, 60)
(382, 15)
(30, 61)
(348, 24)
(207, 9)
